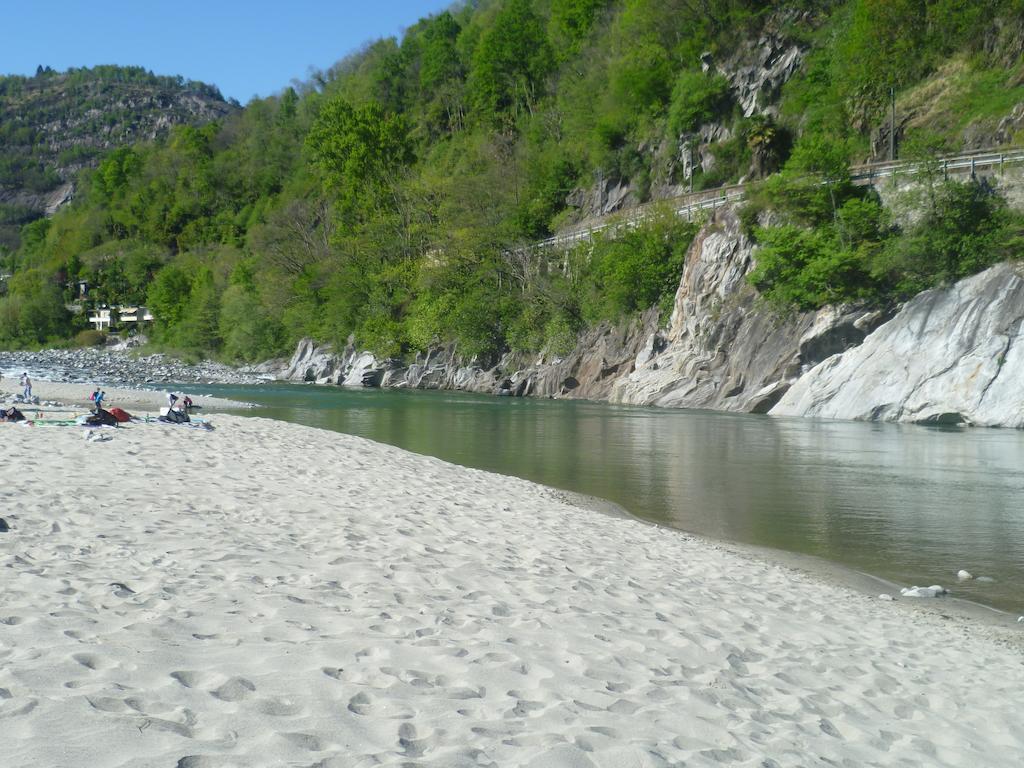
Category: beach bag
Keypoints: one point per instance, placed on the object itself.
(175, 417)
(101, 418)
(121, 415)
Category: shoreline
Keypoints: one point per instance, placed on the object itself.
(837, 573)
(121, 397)
(390, 607)
(865, 584)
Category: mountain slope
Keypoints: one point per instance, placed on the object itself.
(55, 123)
(389, 199)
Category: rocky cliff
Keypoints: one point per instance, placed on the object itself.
(950, 356)
(756, 70)
(721, 348)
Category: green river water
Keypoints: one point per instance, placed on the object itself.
(909, 504)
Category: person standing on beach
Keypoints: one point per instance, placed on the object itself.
(26, 382)
(100, 394)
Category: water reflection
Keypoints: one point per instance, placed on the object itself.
(911, 504)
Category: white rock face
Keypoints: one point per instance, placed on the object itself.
(964, 575)
(721, 349)
(950, 356)
(362, 366)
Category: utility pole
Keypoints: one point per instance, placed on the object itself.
(892, 124)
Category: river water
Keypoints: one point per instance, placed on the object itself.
(907, 503)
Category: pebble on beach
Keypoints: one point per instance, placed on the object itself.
(934, 590)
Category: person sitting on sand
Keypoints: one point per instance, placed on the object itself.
(187, 402)
(11, 414)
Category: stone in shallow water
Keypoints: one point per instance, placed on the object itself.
(934, 590)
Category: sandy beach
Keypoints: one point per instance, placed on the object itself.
(78, 394)
(267, 594)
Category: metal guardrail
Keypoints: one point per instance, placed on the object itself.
(710, 199)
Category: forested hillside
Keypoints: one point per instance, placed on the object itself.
(56, 123)
(388, 196)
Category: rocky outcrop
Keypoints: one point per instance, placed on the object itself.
(589, 371)
(756, 71)
(723, 349)
(952, 355)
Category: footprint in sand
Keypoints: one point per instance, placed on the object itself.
(18, 710)
(360, 704)
(197, 761)
(235, 689)
(106, 703)
(335, 673)
(305, 741)
(88, 660)
(146, 706)
(279, 707)
(412, 743)
(189, 679)
(370, 653)
(523, 707)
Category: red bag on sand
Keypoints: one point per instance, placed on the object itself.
(120, 415)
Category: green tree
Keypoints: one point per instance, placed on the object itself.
(360, 150)
(168, 296)
(570, 24)
(696, 98)
(510, 64)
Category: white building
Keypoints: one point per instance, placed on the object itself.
(103, 317)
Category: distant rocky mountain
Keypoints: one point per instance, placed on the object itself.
(55, 123)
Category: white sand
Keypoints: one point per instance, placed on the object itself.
(268, 595)
(122, 398)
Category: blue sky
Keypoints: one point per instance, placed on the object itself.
(246, 48)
